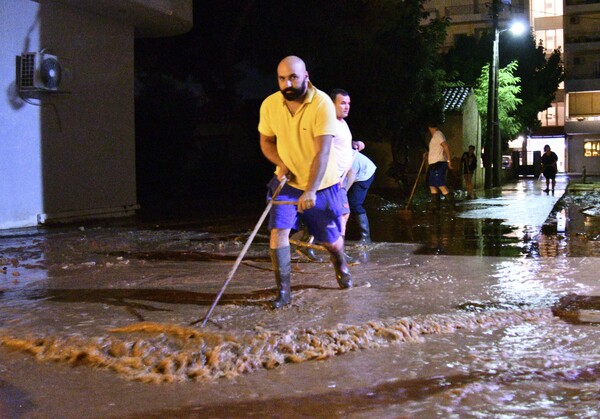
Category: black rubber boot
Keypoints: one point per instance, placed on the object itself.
(365, 232)
(307, 251)
(342, 272)
(281, 260)
(434, 205)
(449, 200)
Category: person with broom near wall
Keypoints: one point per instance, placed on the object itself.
(440, 160)
(296, 128)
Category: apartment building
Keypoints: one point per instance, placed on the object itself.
(571, 125)
(582, 84)
(67, 129)
(472, 17)
(546, 17)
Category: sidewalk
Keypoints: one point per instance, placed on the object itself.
(520, 203)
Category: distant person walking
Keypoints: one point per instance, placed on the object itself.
(296, 127)
(360, 178)
(440, 160)
(549, 168)
(469, 164)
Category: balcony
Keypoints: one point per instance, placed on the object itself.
(476, 12)
(148, 17)
(465, 9)
(580, 2)
(582, 38)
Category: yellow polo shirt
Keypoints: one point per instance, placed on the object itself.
(295, 134)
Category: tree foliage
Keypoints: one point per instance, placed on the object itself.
(377, 50)
(540, 71)
(508, 99)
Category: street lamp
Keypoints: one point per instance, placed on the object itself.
(493, 145)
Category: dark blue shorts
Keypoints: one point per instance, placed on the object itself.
(322, 221)
(437, 173)
(357, 195)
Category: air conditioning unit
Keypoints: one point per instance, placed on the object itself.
(41, 72)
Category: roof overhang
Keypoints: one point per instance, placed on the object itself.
(150, 18)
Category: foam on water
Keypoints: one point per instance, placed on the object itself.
(155, 352)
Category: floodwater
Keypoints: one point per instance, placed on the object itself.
(491, 226)
(452, 315)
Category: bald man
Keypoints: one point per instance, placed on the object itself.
(297, 125)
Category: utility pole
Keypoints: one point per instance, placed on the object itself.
(490, 149)
(497, 178)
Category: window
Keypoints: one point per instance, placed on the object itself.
(591, 148)
(546, 8)
(584, 104)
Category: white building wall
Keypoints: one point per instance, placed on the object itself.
(20, 123)
(73, 156)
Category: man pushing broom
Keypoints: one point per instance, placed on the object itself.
(297, 125)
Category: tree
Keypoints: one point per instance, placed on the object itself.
(379, 51)
(540, 72)
(508, 100)
(392, 68)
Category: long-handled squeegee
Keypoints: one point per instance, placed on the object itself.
(244, 250)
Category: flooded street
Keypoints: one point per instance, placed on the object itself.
(482, 310)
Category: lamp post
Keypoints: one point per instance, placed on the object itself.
(493, 145)
(492, 105)
(497, 141)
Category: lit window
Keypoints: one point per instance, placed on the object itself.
(591, 148)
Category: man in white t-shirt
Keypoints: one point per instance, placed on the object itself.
(439, 160)
(344, 148)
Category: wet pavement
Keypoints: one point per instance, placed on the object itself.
(487, 309)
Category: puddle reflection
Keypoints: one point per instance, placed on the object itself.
(448, 232)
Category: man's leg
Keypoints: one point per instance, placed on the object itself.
(281, 260)
(338, 258)
(307, 251)
(356, 197)
(435, 198)
(324, 221)
(469, 182)
(365, 230)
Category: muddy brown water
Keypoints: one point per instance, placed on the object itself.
(451, 317)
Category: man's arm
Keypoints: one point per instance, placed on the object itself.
(448, 155)
(268, 145)
(317, 169)
(351, 176)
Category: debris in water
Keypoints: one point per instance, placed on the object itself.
(578, 308)
(173, 353)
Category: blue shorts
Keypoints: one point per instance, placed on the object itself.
(437, 173)
(322, 221)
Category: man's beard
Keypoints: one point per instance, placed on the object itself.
(291, 93)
